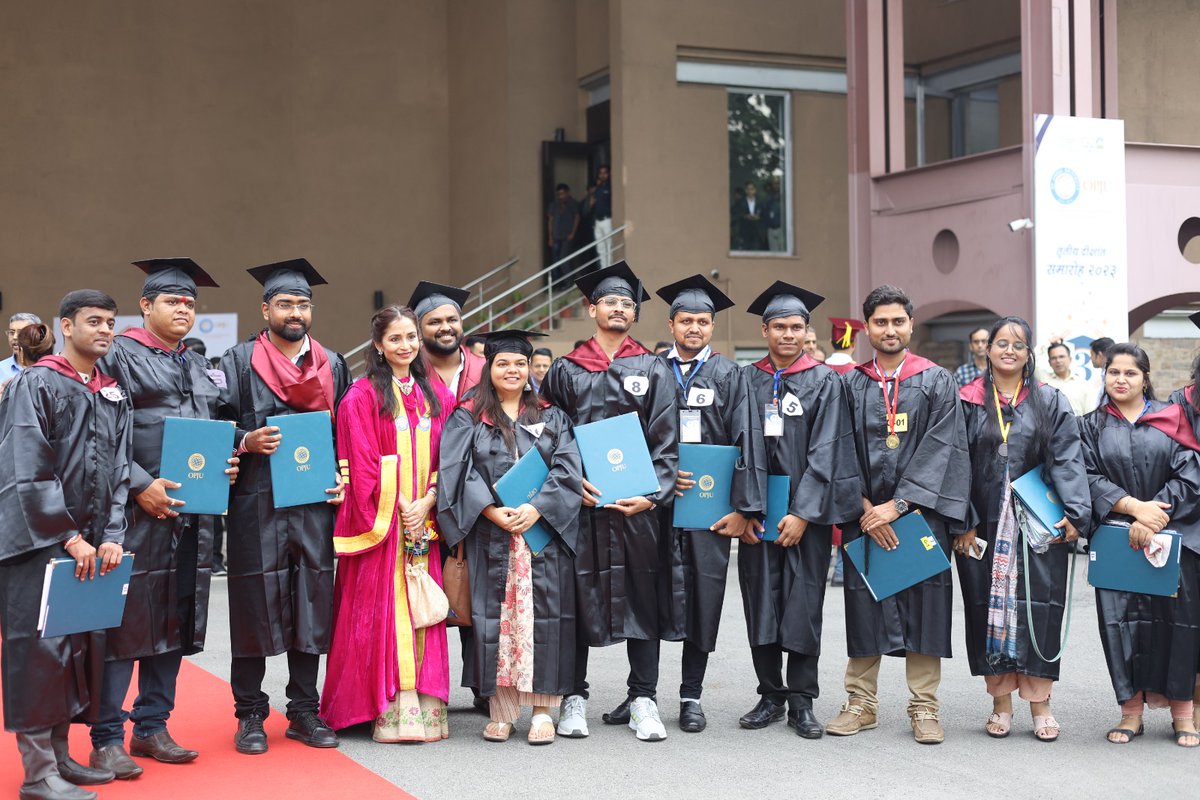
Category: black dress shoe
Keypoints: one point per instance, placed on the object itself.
(307, 727)
(114, 759)
(691, 717)
(161, 747)
(54, 788)
(250, 738)
(762, 714)
(619, 715)
(805, 723)
(74, 772)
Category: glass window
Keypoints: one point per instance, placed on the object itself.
(759, 172)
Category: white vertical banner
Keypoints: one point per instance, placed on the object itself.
(1080, 261)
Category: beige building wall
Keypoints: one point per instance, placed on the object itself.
(1158, 62)
(237, 133)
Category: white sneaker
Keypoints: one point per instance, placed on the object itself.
(643, 718)
(572, 717)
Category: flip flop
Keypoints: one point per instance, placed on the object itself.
(505, 728)
(1045, 723)
(1004, 720)
(537, 722)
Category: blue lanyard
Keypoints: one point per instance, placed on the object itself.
(684, 383)
(775, 386)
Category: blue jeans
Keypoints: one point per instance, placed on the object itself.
(157, 676)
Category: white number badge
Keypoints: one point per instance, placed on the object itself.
(700, 396)
(637, 385)
(791, 405)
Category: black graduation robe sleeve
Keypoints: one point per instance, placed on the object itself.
(230, 406)
(827, 492)
(1105, 493)
(938, 476)
(463, 493)
(745, 432)
(116, 365)
(1067, 468)
(662, 430)
(562, 494)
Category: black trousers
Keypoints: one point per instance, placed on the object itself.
(643, 668)
(801, 687)
(695, 663)
(246, 677)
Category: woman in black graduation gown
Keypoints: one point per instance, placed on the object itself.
(522, 604)
(1143, 469)
(1188, 397)
(1015, 425)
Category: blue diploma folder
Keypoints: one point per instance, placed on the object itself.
(615, 458)
(303, 467)
(1113, 564)
(888, 572)
(1038, 498)
(195, 453)
(70, 605)
(779, 497)
(519, 485)
(712, 468)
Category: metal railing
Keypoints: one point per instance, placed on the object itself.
(511, 307)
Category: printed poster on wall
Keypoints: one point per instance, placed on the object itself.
(1081, 286)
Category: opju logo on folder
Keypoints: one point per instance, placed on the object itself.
(615, 457)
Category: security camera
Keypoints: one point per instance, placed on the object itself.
(716, 274)
(1024, 224)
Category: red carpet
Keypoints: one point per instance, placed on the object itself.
(203, 720)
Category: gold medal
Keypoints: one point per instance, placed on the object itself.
(892, 441)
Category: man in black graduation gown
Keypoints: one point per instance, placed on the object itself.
(714, 409)
(166, 609)
(910, 435)
(617, 563)
(280, 560)
(804, 420)
(64, 478)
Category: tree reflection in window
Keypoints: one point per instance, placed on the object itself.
(759, 219)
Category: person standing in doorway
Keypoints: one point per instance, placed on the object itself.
(562, 225)
(600, 204)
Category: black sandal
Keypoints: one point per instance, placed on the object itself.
(1129, 734)
(1179, 735)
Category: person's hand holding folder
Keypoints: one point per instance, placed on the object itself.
(85, 557)
(264, 441)
(876, 522)
(591, 495)
(631, 505)
(791, 530)
(155, 502)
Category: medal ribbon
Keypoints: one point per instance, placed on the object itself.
(1004, 426)
(891, 404)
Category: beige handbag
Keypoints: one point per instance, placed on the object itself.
(427, 603)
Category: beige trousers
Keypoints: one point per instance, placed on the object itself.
(924, 675)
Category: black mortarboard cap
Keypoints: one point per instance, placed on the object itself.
(508, 341)
(428, 296)
(696, 294)
(785, 300)
(178, 276)
(617, 280)
(1195, 318)
(287, 277)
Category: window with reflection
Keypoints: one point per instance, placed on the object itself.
(759, 167)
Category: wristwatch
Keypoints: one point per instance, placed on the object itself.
(901, 506)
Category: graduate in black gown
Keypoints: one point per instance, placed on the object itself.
(1015, 425)
(1144, 470)
(617, 562)
(803, 418)
(1189, 398)
(522, 603)
(714, 409)
(166, 610)
(280, 559)
(912, 453)
(64, 478)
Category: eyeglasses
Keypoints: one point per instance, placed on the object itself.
(617, 302)
(1004, 344)
(287, 307)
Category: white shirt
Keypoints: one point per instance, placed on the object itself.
(305, 346)
(685, 365)
(1079, 393)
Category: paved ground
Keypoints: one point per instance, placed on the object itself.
(726, 761)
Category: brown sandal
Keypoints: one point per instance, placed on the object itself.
(502, 730)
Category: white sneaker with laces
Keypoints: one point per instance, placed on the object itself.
(572, 717)
(644, 719)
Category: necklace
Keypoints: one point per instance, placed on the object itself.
(405, 384)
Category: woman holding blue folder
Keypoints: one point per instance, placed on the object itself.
(1143, 469)
(522, 601)
(1015, 425)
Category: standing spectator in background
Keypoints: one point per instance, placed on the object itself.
(539, 366)
(476, 345)
(749, 221)
(600, 207)
(1079, 393)
(662, 347)
(12, 366)
(809, 343)
(845, 331)
(562, 223)
(1099, 348)
(978, 363)
(818, 355)
(776, 233)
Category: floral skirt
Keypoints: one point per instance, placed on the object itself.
(412, 717)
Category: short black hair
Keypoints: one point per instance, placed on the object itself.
(1055, 345)
(544, 351)
(561, 187)
(1101, 345)
(971, 335)
(72, 302)
(197, 346)
(886, 295)
(602, 166)
(663, 345)
(474, 340)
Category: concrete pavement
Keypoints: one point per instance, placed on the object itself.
(726, 761)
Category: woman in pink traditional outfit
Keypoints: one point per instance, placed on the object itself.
(389, 426)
